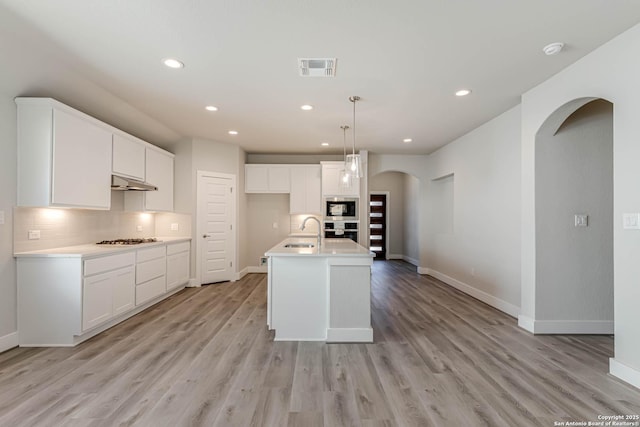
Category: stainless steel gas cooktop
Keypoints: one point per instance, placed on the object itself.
(127, 241)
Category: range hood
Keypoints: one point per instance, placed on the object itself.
(121, 183)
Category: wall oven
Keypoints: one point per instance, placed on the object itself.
(340, 209)
(341, 230)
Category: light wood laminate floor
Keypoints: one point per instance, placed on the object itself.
(205, 358)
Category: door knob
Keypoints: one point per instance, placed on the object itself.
(204, 236)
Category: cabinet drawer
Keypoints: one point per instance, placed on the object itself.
(150, 290)
(107, 263)
(176, 248)
(151, 253)
(150, 270)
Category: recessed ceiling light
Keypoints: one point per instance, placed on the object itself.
(553, 48)
(407, 140)
(325, 144)
(307, 107)
(233, 132)
(172, 63)
(463, 92)
(211, 108)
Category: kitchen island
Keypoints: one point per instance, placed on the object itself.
(319, 293)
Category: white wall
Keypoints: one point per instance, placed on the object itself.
(393, 182)
(574, 175)
(263, 211)
(480, 250)
(8, 325)
(410, 247)
(610, 72)
(198, 154)
(468, 210)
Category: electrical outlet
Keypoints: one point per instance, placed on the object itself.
(631, 221)
(274, 225)
(263, 260)
(581, 220)
(175, 226)
(34, 234)
(138, 228)
(1, 217)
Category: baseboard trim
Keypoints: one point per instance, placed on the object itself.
(9, 341)
(624, 372)
(349, 335)
(242, 273)
(495, 302)
(193, 283)
(423, 270)
(588, 327)
(527, 323)
(258, 269)
(410, 260)
(395, 256)
(563, 327)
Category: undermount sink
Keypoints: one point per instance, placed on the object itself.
(299, 245)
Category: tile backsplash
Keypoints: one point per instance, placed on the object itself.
(68, 227)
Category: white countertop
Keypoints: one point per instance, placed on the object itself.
(328, 248)
(90, 250)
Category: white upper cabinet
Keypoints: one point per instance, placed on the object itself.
(305, 197)
(267, 178)
(331, 181)
(64, 156)
(128, 157)
(159, 172)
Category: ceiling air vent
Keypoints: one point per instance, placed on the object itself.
(317, 67)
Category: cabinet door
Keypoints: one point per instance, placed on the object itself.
(305, 197)
(124, 290)
(97, 304)
(279, 179)
(81, 166)
(256, 179)
(313, 192)
(330, 178)
(128, 157)
(298, 198)
(267, 179)
(160, 174)
(177, 270)
(331, 182)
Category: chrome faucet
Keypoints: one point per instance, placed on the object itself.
(304, 223)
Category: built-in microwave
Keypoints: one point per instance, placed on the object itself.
(336, 209)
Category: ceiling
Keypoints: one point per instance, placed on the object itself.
(405, 59)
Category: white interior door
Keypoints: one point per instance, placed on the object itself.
(216, 242)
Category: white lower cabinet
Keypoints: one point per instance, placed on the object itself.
(106, 295)
(66, 299)
(108, 287)
(150, 273)
(178, 260)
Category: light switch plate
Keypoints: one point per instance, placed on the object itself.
(138, 228)
(581, 220)
(34, 234)
(1, 217)
(631, 221)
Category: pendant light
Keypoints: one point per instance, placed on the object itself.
(353, 160)
(345, 175)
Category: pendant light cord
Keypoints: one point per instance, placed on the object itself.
(344, 143)
(355, 98)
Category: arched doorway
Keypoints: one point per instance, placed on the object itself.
(574, 219)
